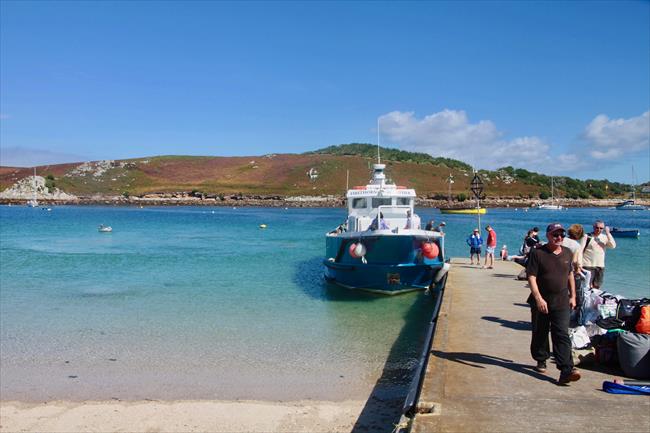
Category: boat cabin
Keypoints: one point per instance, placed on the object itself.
(394, 203)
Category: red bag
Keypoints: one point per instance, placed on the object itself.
(643, 325)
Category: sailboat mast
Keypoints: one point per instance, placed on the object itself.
(552, 191)
(633, 185)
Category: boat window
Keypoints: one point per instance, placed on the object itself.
(359, 203)
(403, 201)
(376, 202)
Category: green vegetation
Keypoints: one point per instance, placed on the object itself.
(462, 197)
(566, 186)
(370, 151)
(49, 182)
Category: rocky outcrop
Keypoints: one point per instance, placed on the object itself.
(35, 186)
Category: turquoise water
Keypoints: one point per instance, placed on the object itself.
(183, 302)
(190, 303)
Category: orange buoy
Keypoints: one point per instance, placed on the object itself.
(357, 250)
(430, 250)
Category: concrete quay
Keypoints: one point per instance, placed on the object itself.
(480, 375)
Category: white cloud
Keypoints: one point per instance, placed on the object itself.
(615, 138)
(449, 133)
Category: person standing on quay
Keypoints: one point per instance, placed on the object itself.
(552, 298)
(490, 246)
(475, 241)
(593, 252)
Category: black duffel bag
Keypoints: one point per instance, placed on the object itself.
(629, 311)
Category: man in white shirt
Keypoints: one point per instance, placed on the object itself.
(593, 252)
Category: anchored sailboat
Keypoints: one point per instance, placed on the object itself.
(551, 205)
(631, 204)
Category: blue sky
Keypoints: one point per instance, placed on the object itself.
(558, 88)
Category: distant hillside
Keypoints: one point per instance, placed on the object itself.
(564, 186)
(388, 154)
(318, 173)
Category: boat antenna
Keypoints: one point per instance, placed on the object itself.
(378, 156)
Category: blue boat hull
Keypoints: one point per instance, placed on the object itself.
(625, 233)
(394, 264)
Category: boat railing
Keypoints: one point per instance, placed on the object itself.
(394, 215)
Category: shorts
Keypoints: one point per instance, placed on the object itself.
(597, 276)
(475, 250)
(489, 250)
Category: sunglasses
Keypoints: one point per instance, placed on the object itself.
(558, 235)
(599, 227)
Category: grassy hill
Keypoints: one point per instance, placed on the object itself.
(287, 175)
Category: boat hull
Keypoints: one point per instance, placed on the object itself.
(392, 264)
(471, 211)
(625, 233)
(631, 207)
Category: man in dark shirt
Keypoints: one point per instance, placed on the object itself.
(552, 298)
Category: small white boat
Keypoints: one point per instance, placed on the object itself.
(631, 204)
(104, 229)
(549, 207)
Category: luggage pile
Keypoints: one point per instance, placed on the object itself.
(612, 331)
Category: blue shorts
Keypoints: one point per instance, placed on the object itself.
(475, 250)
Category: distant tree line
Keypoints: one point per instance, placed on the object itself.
(370, 151)
(564, 186)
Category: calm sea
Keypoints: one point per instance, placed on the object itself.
(184, 302)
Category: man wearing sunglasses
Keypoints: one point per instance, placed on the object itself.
(552, 298)
(593, 254)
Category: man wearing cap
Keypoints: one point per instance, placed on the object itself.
(552, 298)
(441, 228)
(475, 241)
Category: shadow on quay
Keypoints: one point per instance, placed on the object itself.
(384, 406)
(506, 276)
(479, 360)
(519, 325)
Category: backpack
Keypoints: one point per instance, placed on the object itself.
(629, 310)
(643, 324)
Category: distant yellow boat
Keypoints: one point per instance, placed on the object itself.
(470, 211)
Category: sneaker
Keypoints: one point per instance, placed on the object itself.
(570, 376)
(540, 367)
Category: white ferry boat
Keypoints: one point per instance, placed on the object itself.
(381, 247)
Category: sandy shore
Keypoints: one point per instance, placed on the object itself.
(179, 416)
